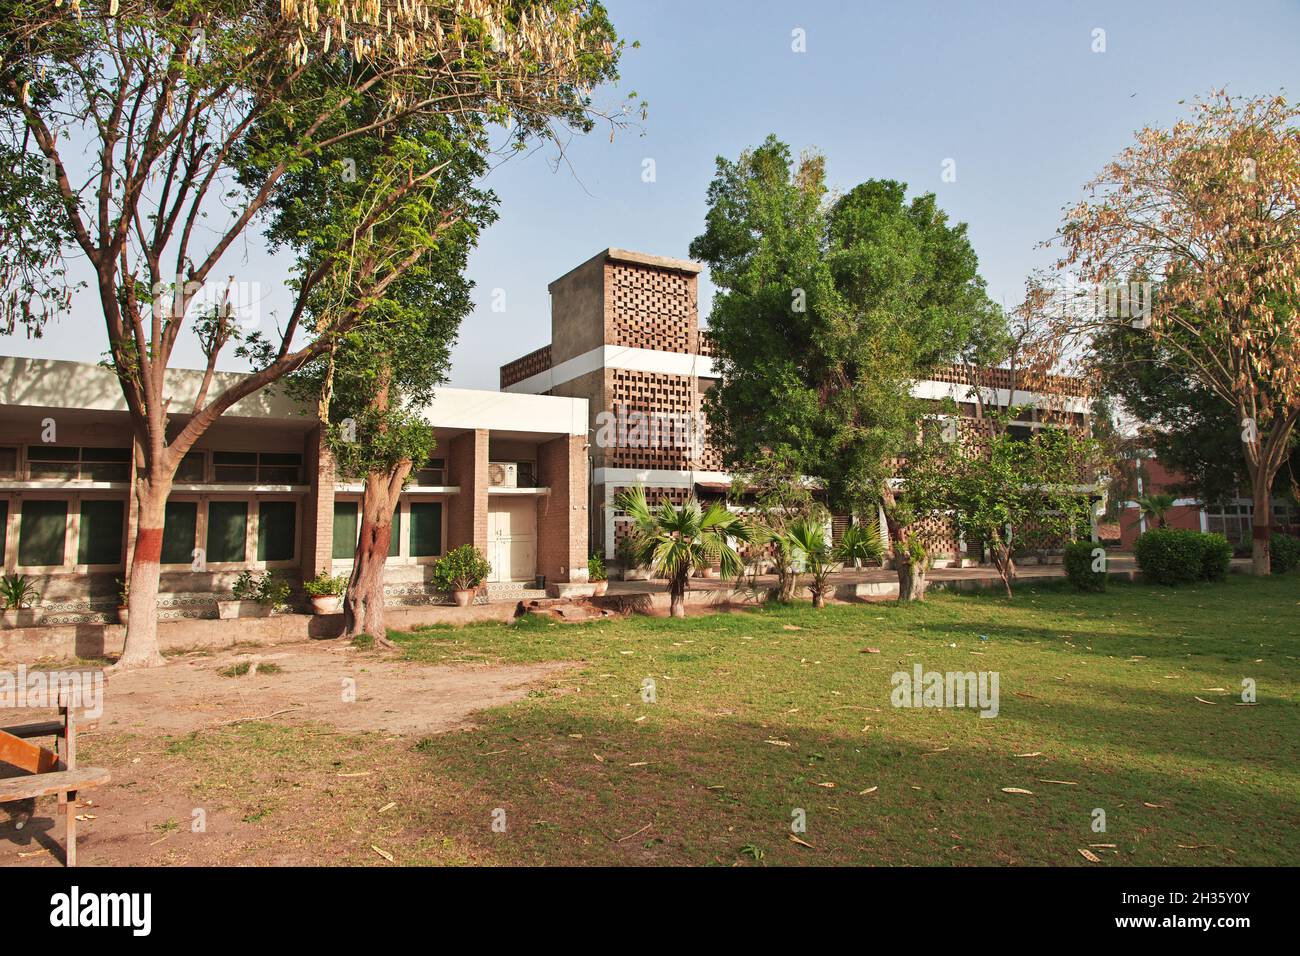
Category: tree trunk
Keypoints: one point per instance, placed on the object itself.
(1261, 528)
(141, 647)
(818, 598)
(1005, 562)
(363, 602)
(911, 575)
(677, 594)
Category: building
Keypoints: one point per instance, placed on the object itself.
(625, 336)
(258, 493)
(1234, 518)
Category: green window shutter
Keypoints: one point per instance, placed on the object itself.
(41, 533)
(395, 545)
(4, 528)
(99, 540)
(227, 531)
(345, 530)
(426, 529)
(276, 527)
(180, 530)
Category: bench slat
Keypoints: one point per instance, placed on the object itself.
(47, 784)
(44, 728)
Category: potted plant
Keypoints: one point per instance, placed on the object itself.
(461, 572)
(597, 574)
(325, 593)
(253, 596)
(123, 599)
(17, 595)
(627, 557)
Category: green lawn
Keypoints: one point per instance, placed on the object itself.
(763, 713)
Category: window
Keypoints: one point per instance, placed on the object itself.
(227, 531)
(42, 533)
(345, 530)
(71, 464)
(426, 529)
(395, 543)
(250, 467)
(433, 474)
(276, 530)
(193, 468)
(180, 530)
(99, 539)
(4, 528)
(8, 462)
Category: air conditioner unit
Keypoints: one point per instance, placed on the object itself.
(503, 474)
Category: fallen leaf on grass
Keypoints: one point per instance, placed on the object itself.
(362, 773)
(1064, 783)
(1194, 846)
(791, 627)
(827, 784)
(869, 650)
(386, 807)
(1017, 790)
(778, 743)
(1155, 806)
(795, 839)
(639, 763)
(1203, 700)
(862, 793)
(384, 853)
(85, 816)
(599, 758)
(931, 753)
(1103, 846)
(1036, 753)
(1090, 856)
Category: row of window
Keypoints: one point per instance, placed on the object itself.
(70, 463)
(217, 530)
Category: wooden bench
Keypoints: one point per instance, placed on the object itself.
(49, 772)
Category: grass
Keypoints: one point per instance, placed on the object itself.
(699, 741)
(243, 667)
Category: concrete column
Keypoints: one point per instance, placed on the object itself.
(467, 467)
(562, 519)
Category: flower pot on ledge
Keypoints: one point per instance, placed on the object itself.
(27, 617)
(601, 587)
(463, 597)
(123, 614)
(327, 604)
(230, 610)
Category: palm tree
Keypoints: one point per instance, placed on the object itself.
(860, 545)
(812, 556)
(1155, 507)
(674, 542)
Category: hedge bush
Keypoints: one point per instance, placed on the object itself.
(1216, 556)
(1079, 559)
(1175, 556)
(1284, 553)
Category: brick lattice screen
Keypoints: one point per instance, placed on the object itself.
(650, 309)
(526, 366)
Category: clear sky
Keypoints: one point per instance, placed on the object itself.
(1010, 91)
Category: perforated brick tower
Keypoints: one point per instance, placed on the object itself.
(625, 335)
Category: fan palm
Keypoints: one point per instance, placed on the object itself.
(861, 545)
(674, 542)
(812, 556)
(1155, 507)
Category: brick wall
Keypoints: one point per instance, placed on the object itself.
(649, 308)
(467, 462)
(562, 518)
(318, 507)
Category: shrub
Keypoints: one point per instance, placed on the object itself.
(325, 586)
(1174, 556)
(1284, 553)
(596, 568)
(1216, 556)
(1079, 560)
(268, 589)
(461, 569)
(17, 592)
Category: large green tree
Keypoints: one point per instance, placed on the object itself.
(827, 309)
(142, 111)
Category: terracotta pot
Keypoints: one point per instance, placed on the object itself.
(27, 617)
(327, 604)
(122, 614)
(600, 586)
(463, 597)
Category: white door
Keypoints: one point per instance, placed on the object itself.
(512, 538)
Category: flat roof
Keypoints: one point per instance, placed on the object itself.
(635, 258)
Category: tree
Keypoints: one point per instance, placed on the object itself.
(142, 112)
(777, 496)
(813, 556)
(1012, 493)
(673, 542)
(1210, 209)
(826, 311)
(1156, 507)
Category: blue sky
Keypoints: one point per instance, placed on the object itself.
(1011, 91)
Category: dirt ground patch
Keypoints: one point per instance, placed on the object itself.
(346, 720)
